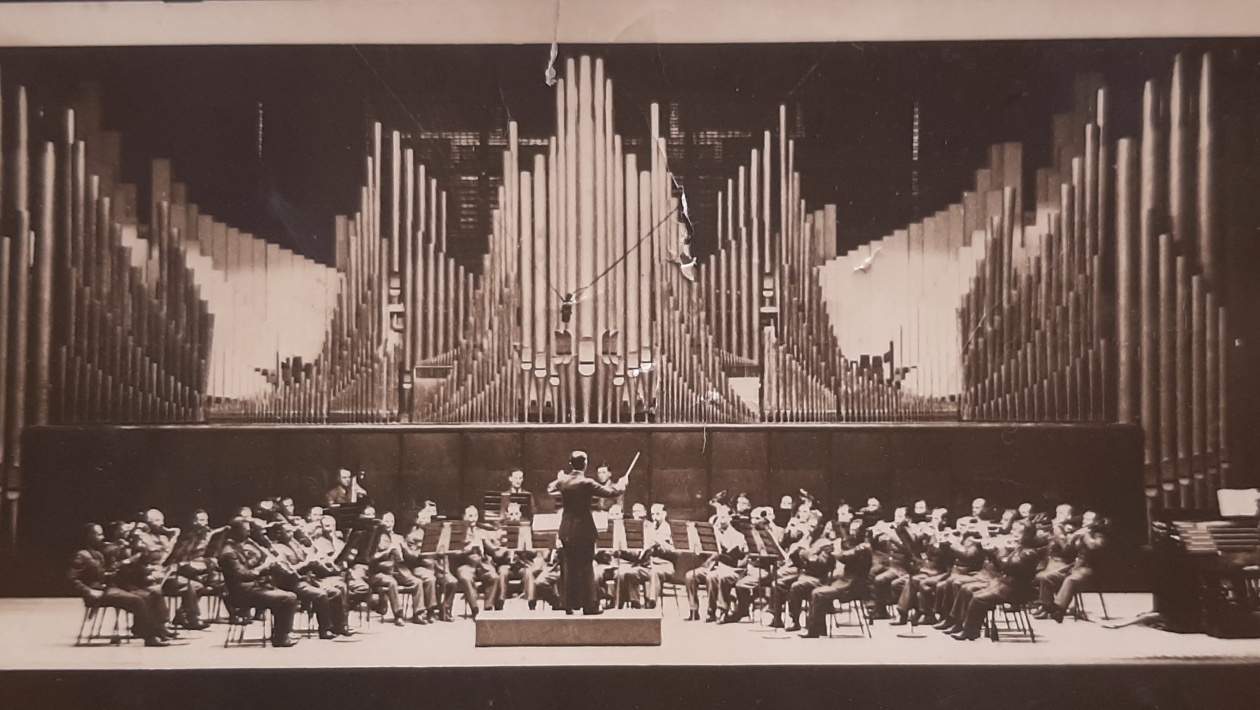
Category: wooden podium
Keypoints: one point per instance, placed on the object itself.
(625, 627)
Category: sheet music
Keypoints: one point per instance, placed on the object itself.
(547, 522)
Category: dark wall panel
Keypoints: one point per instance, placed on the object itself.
(489, 456)
(739, 462)
(798, 460)
(680, 473)
(430, 470)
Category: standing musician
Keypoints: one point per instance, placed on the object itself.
(347, 491)
(577, 531)
(516, 482)
(720, 572)
(850, 580)
(246, 574)
(93, 578)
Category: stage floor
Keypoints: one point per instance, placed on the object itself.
(38, 634)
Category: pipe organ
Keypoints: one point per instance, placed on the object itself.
(1103, 302)
(1112, 306)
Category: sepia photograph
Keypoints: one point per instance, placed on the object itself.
(564, 354)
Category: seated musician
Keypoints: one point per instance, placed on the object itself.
(544, 584)
(516, 482)
(288, 511)
(641, 582)
(383, 577)
(347, 491)
(850, 580)
(93, 579)
(872, 513)
(917, 602)
(720, 572)
(429, 569)
(160, 543)
(1089, 542)
(761, 571)
(605, 478)
(988, 575)
(1060, 555)
(964, 544)
(246, 574)
(194, 564)
(638, 512)
(507, 564)
(295, 573)
(797, 538)
(314, 518)
(919, 513)
(330, 574)
(475, 575)
(815, 562)
(742, 515)
(1016, 564)
(979, 515)
(785, 511)
(902, 561)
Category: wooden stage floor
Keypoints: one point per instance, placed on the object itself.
(38, 635)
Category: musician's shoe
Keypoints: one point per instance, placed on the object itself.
(1041, 614)
(498, 606)
(955, 629)
(693, 615)
(592, 612)
(1057, 614)
(286, 642)
(650, 605)
(344, 631)
(793, 628)
(710, 618)
(636, 605)
(568, 612)
(927, 620)
(776, 623)
(156, 642)
(533, 604)
(197, 626)
(420, 619)
(810, 635)
(902, 619)
(880, 613)
(327, 635)
(965, 636)
(943, 624)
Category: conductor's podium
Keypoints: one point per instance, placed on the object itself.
(623, 627)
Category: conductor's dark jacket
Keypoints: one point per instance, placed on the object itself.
(577, 526)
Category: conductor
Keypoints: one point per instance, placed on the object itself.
(577, 532)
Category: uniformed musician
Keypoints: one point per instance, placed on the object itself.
(246, 576)
(93, 578)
